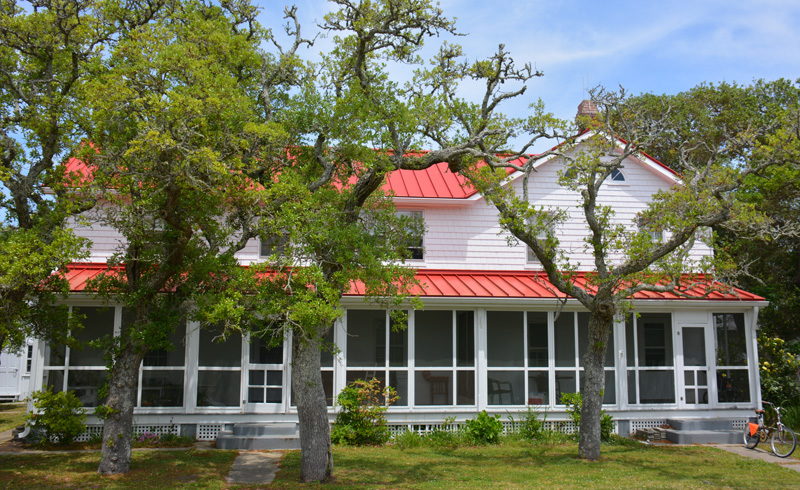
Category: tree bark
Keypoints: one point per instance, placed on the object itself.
(118, 426)
(316, 458)
(601, 323)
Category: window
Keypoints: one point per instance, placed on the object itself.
(274, 245)
(525, 359)
(651, 374)
(219, 368)
(82, 368)
(29, 359)
(265, 379)
(376, 350)
(163, 370)
(444, 345)
(542, 235)
(733, 381)
(415, 245)
(443, 372)
(616, 176)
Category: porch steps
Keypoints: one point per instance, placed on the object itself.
(702, 431)
(260, 436)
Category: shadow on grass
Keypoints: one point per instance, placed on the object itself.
(178, 469)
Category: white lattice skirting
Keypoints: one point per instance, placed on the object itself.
(97, 430)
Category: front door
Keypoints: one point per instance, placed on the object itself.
(693, 383)
(265, 377)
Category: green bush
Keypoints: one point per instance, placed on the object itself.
(791, 417)
(531, 427)
(778, 368)
(484, 429)
(361, 420)
(409, 440)
(60, 416)
(574, 403)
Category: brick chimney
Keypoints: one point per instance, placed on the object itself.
(587, 113)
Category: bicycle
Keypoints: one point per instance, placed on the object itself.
(782, 439)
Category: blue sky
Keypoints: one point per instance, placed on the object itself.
(658, 47)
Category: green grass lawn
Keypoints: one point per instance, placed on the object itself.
(151, 469)
(512, 465)
(11, 415)
(519, 465)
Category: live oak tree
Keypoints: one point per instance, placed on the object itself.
(47, 51)
(175, 135)
(767, 257)
(626, 257)
(355, 124)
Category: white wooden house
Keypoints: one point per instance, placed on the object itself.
(493, 334)
(15, 372)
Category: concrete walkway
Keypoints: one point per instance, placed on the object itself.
(254, 467)
(758, 453)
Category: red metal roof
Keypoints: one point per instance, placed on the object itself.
(447, 283)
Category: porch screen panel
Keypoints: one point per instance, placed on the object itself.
(434, 338)
(505, 342)
(733, 379)
(376, 348)
(366, 338)
(444, 358)
(219, 376)
(651, 371)
(98, 323)
(86, 372)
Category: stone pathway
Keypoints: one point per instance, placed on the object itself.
(758, 453)
(254, 467)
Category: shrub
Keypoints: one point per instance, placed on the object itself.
(791, 417)
(361, 419)
(59, 415)
(574, 403)
(409, 440)
(778, 368)
(484, 429)
(531, 427)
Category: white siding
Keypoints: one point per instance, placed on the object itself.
(467, 235)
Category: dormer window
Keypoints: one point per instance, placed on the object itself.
(616, 176)
(541, 236)
(271, 246)
(416, 250)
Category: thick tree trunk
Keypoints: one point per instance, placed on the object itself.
(118, 426)
(316, 459)
(600, 325)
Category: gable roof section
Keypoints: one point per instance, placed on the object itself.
(446, 283)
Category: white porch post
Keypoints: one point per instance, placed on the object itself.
(621, 362)
(339, 360)
(192, 356)
(755, 378)
(480, 360)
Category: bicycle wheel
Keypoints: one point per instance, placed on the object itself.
(750, 442)
(783, 442)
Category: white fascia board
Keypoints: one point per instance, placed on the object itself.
(570, 304)
(426, 202)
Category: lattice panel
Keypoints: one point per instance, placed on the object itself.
(91, 430)
(156, 429)
(208, 432)
(738, 424)
(646, 424)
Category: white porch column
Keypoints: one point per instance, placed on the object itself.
(480, 359)
(192, 356)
